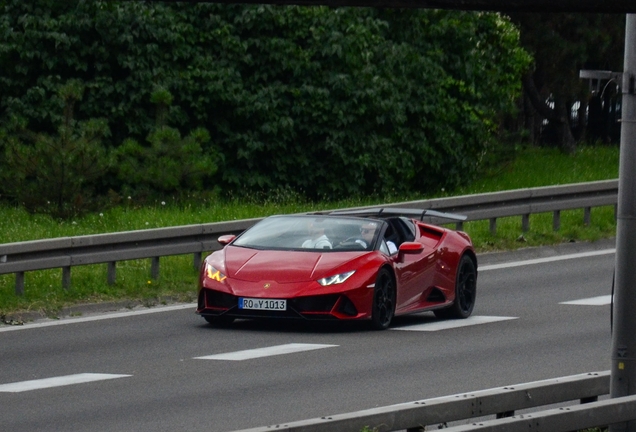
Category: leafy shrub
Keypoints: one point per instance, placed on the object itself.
(169, 165)
(57, 174)
(325, 102)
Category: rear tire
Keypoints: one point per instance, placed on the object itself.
(383, 308)
(465, 291)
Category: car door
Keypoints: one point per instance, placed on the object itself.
(415, 269)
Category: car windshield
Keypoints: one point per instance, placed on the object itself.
(311, 233)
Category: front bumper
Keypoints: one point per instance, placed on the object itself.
(212, 303)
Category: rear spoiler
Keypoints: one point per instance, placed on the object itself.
(393, 211)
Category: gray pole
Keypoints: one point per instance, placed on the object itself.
(623, 369)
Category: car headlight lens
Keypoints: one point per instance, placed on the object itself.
(214, 274)
(336, 279)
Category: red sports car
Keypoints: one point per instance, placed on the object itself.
(341, 266)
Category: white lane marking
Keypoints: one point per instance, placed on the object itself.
(546, 260)
(65, 321)
(451, 324)
(265, 352)
(592, 301)
(56, 382)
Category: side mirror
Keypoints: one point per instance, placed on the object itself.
(411, 247)
(226, 239)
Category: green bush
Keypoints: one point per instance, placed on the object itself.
(325, 102)
(170, 165)
(57, 174)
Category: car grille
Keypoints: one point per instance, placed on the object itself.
(217, 300)
(212, 302)
(324, 303)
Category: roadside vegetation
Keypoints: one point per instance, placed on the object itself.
(529, 167)
(110, 99)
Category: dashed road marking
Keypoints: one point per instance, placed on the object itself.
(592, 301)
(38, 384)
(265, 352)
(451, 324)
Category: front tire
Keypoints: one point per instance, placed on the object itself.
(465, 291)
(383, 308)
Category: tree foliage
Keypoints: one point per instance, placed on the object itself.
(562, 45)
(327, 102)
(171, 164)
(57, 174)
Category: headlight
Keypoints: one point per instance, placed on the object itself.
(336, 279)
(213, 273)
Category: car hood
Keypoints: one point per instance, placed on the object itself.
(283, 266)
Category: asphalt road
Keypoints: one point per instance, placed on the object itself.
(157, 380)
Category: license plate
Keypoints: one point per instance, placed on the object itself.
(262, 304)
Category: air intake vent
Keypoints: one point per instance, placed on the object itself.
(435, 296)
(346, 307)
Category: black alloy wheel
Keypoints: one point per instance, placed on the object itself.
(384, 294)
(465, 291)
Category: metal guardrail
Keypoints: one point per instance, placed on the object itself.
(524, 202)
(500, 402)
(66, 252)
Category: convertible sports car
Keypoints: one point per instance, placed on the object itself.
(350, 265)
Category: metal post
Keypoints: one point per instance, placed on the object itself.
(493, 226)
(556, 220)
(525, 222)
(154, 268)
(66, 277)
(587, 216)
(198, 256)
(19, 283)
(111, 272)
(623, 362)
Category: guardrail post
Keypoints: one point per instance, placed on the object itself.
(19, 283)
(525, 222)
(111, 272)
(556, 220)
(154, 268)
(587, 215)
(493, 226)
(197, 260)
(66, 277)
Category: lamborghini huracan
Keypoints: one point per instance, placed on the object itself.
(371, 264)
